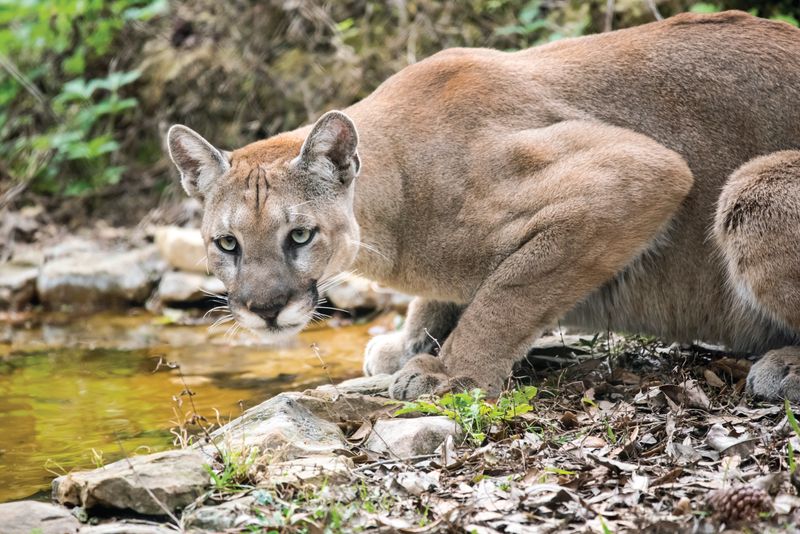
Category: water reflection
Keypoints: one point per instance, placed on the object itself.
(67, 387)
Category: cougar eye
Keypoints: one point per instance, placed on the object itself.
(227, 244)
(301, 236)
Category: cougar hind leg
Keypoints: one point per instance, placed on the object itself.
(757, 226)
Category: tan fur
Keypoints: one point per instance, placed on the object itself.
(577, 181)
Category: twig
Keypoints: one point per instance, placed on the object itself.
(12, 69)
(654, 9)
(609, 24)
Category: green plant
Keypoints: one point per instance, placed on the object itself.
(233, 475)
(61, 94)
(473, 412)
(98, 458)
(796, 428)
(603, 525)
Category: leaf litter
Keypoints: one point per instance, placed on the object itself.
(634, 436)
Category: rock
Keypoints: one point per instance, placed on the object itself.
(295, 425)
(281, 428)
(356, 292)
(180, 287)
(175, 478)
(29, 255)
(182, 248)
(24, 517)
(127, 527)
(235, 514)
(405, 438)
(336, 405)
(17, 285)
(100, 279)
(364, 385)
(69, 246)
(307, 471)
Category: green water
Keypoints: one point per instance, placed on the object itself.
(75, 393)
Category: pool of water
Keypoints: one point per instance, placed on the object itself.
(79, 392)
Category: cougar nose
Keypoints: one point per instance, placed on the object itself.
(268, 312)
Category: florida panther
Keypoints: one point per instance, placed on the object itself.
(645, 180)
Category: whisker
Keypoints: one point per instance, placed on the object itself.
(222, 320)
(216, 309)
(334, 309)
(369, 247)
(212, 294)
(231, 331)
(334, 281)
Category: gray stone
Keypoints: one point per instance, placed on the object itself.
(303, 471)
(175, 478)
(127, 527)
(182, 248)
(281, 428)
(69, 246)
(405, 438)
(336, 405)
(295, 425)
(235, 514)
(100, 279)
(17, 285)
(364, 385)
(24, 517)
(179, 286)
(356, 292)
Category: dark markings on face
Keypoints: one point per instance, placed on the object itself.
(257, 178)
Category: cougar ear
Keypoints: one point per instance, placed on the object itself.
(332, 145)
(200, 163)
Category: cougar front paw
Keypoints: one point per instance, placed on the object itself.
(776, 375)
(424, 375)
(384, 354)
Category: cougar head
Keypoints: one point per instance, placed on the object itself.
(277, 217)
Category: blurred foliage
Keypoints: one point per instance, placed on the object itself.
(88, 87)
(60, 101)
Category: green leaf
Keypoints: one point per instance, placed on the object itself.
(529, 12)
(703, 7)
(153, 9)
(786, 18)
(75, 64)
(790, 416)
(115, 80)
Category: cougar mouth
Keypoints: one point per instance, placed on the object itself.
(288, 321)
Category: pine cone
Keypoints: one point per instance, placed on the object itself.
(741, 503)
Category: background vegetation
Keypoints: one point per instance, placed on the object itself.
(88, 87)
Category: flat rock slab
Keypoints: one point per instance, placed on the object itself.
(406, 438)
(25, 517)
(182, 248)
(128, 527)
(363, 385)
(175, 478)
(17, 285)
(281, 427)
(100, 279)
(235, 514)
(307, 471)
(181, 287)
